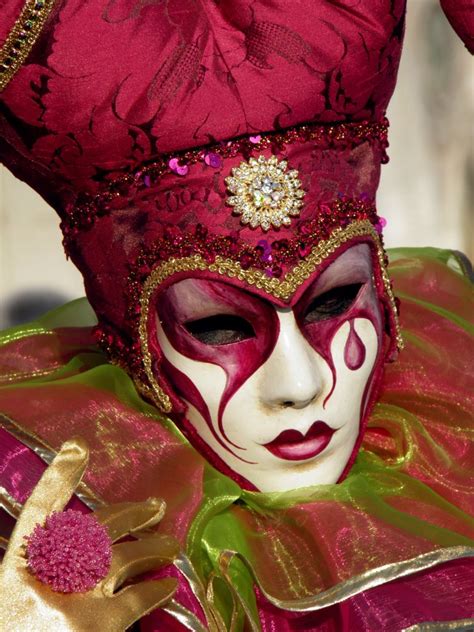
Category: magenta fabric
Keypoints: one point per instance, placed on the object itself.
(460, 14)
(435, 595)
(438, 594)
(21, 469)
(113, 83)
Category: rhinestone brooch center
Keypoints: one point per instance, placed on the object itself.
(265, 193)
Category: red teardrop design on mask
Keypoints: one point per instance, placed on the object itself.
(354, 351)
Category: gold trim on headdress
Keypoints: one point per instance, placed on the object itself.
(22, 38)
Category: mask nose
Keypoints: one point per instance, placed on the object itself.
(292, 376)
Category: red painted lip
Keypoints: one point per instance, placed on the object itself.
(292, 445)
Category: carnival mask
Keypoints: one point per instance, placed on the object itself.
(276, 394)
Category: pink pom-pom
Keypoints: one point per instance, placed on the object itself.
(71, 553)
(213, 160)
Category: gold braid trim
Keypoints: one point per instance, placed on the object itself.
(282, 289)
(22, 38)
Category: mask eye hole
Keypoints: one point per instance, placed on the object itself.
(332, 303)
(221, 329)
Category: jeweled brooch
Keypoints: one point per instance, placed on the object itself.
(264, 193)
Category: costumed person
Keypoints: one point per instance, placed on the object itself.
(215, 168)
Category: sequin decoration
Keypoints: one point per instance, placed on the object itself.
(265, 193)
(72, 553)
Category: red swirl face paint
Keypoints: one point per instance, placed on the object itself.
(196, 300)
(277, 394)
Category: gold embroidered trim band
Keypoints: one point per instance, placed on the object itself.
(281, 289)
(22, 38)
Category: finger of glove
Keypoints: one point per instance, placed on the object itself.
(125, 518)
(133, 558)
(53, 490)
(134, 602)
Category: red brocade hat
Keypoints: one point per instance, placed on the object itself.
(240, 141)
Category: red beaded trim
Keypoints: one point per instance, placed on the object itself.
(268, 256)
(119, 187)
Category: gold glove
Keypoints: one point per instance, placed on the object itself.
(28, 604)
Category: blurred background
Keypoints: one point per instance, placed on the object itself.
(426, 193)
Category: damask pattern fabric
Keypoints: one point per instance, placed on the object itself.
(110, 84)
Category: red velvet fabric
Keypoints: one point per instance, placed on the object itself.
(10, 12)
(113, 82)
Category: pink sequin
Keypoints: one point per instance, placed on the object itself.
(380, 225)
(266, 249)
(71, 553)
(176, 167)
(213, 160)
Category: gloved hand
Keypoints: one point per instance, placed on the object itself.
(28, 604)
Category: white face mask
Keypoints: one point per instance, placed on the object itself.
(277, 394)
